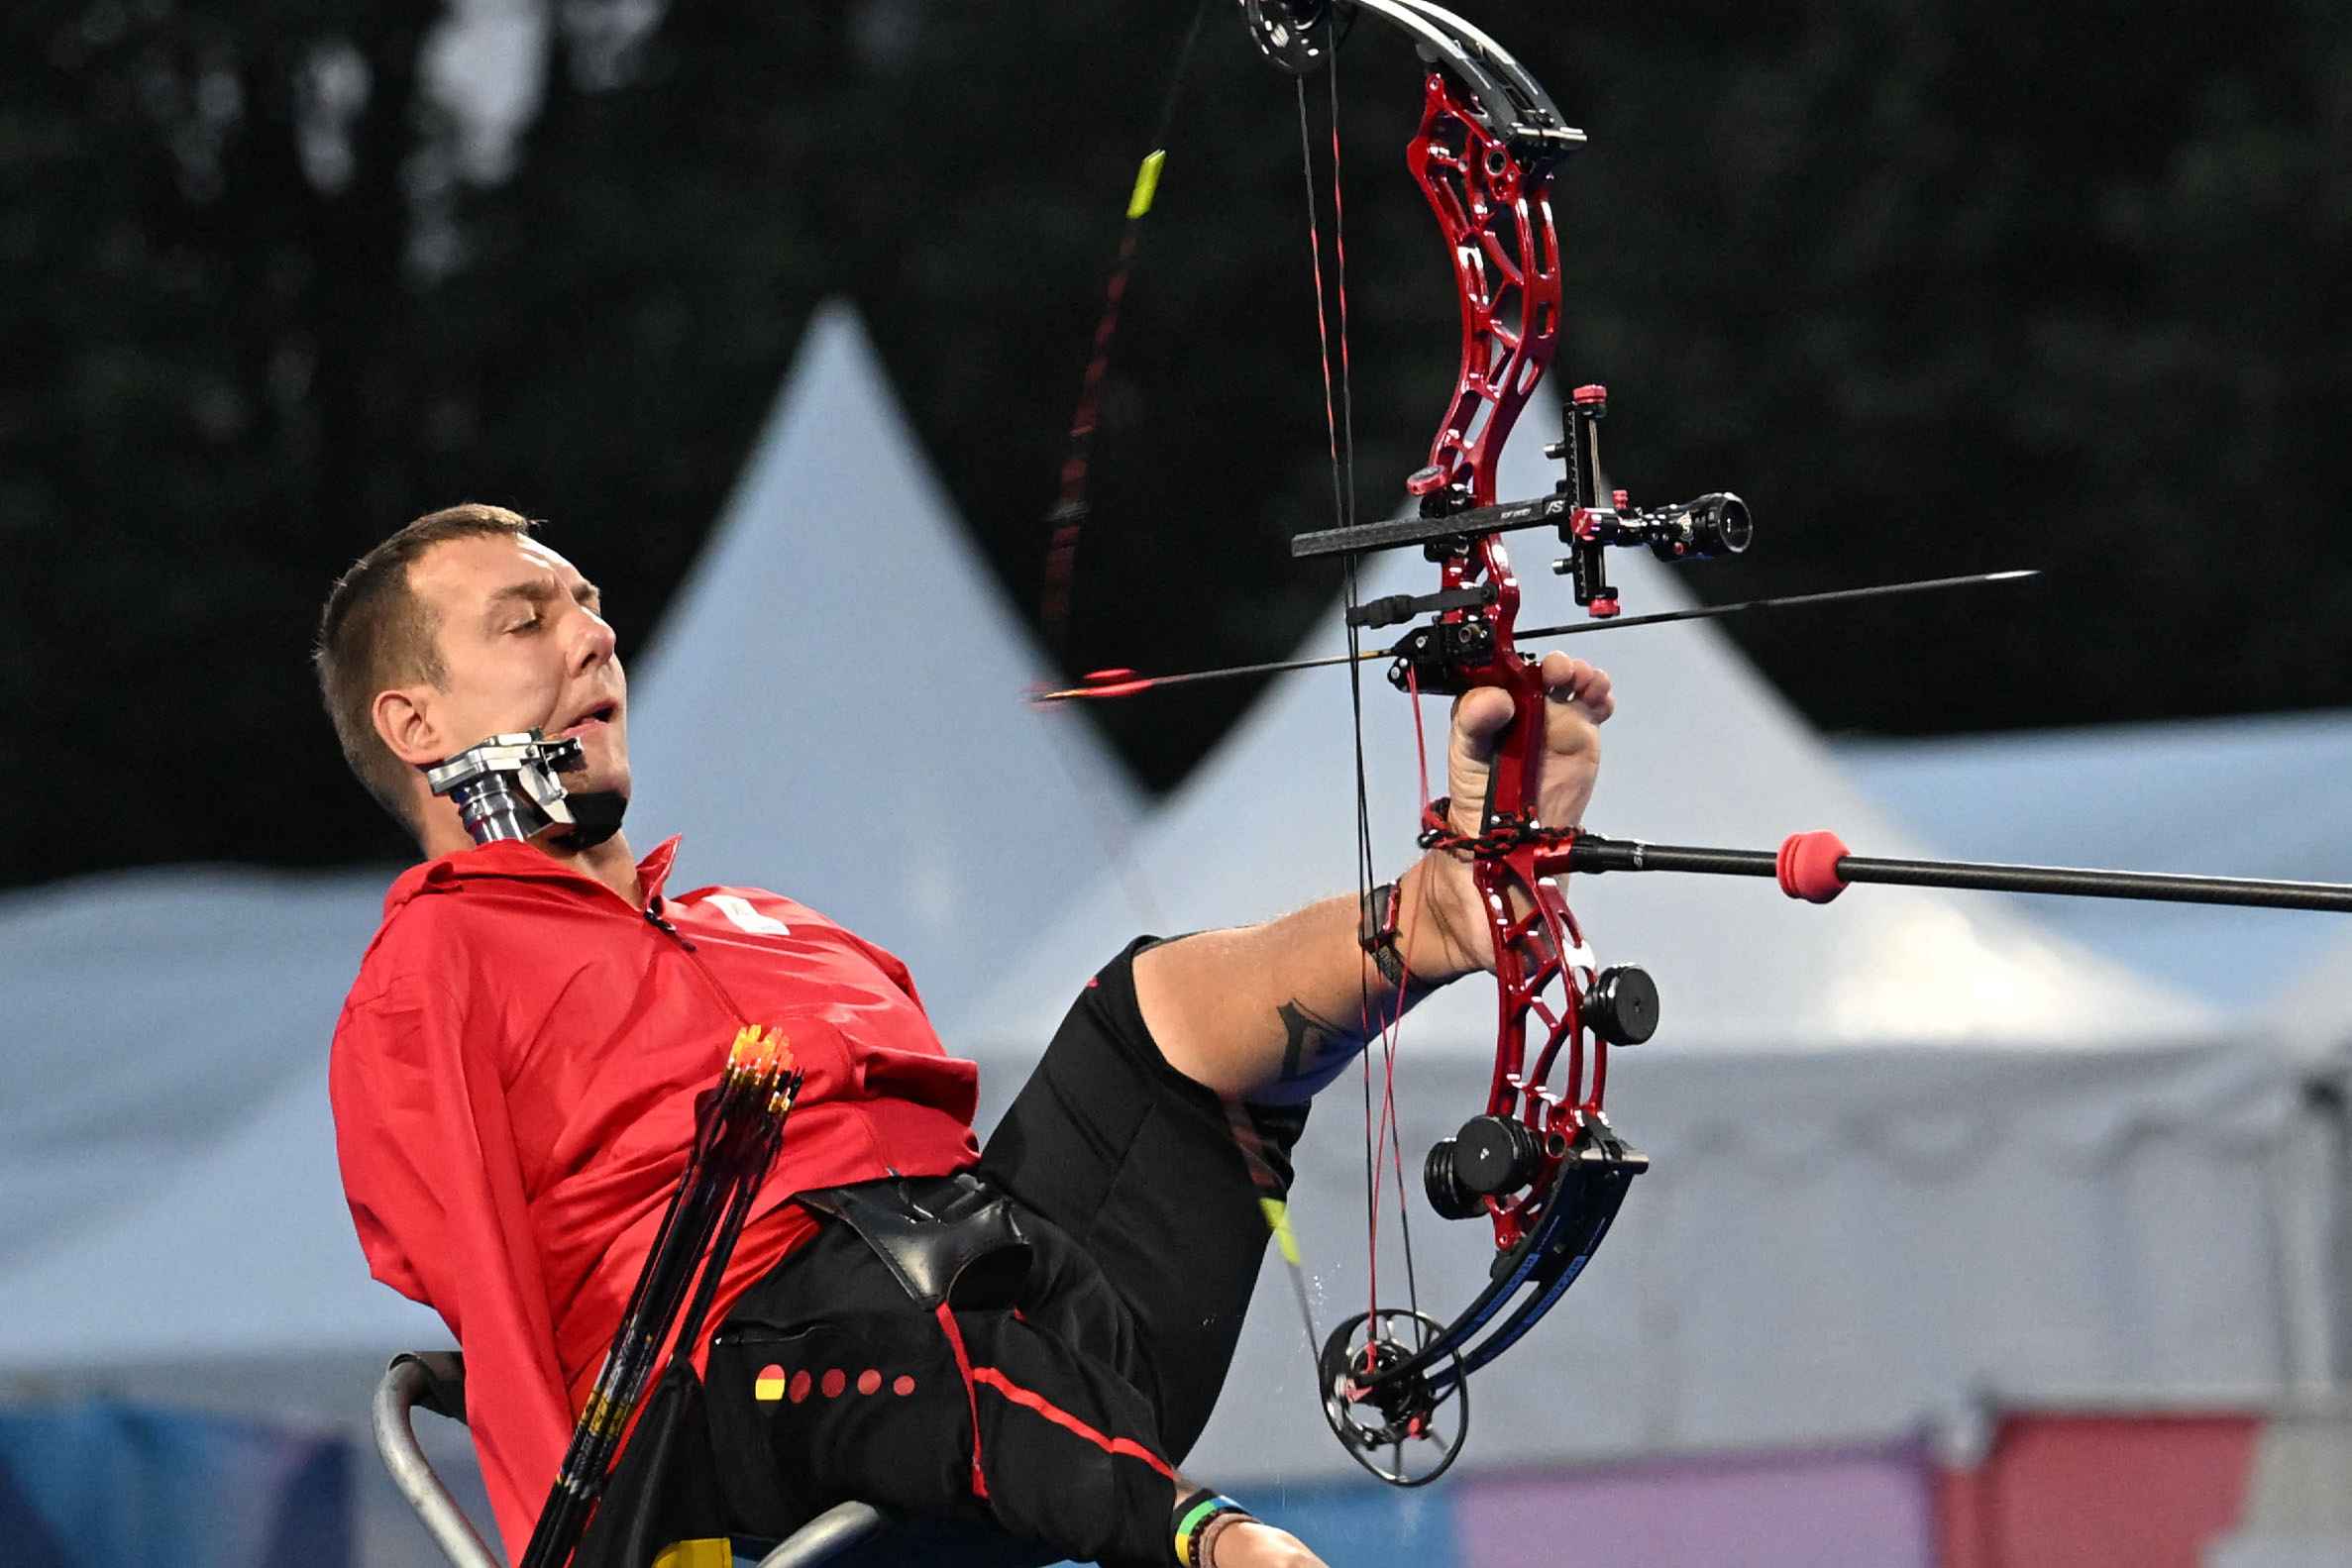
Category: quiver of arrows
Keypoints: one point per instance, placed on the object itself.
(739, 1126)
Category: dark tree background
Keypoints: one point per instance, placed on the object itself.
(1938, 286)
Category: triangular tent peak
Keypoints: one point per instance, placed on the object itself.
(1703, 751)
(832, 707)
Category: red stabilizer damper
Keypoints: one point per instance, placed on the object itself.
(1808, 865)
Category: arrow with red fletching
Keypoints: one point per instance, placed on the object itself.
(1103, 684)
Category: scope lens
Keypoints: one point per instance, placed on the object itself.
(1720, 525)
(1735, 526)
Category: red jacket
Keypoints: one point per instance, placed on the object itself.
(514, 1080)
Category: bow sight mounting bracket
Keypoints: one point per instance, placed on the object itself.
(1591, 516)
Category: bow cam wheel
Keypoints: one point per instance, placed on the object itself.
(1406, 1430)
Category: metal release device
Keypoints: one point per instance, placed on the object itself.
(505, 787)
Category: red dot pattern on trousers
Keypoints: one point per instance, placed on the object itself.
(836, 1381)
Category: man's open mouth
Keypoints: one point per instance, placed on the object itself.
(601, 714)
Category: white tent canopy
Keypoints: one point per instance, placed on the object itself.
(834, 709)
(151, 1016)
(2315, 1011)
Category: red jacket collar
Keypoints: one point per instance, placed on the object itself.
(515, 858)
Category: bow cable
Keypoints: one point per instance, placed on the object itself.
(1376, 1019)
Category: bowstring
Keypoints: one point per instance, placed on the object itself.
(1391, 1027)
(1392, 1024)
(1381, 1134)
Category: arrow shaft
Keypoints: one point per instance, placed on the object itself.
(1704, 613)
(1128, 686)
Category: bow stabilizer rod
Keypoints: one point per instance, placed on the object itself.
(1816, 867)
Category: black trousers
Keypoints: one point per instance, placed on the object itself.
(1056, 1409)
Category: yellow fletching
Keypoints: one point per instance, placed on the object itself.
(1278, 1222)
(759, 1050)
(1148, 183)
(711, 1552)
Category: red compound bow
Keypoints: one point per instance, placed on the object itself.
(1542, 1162)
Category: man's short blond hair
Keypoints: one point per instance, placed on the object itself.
(376, 634)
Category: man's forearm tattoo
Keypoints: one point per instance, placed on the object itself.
(1312, 1044)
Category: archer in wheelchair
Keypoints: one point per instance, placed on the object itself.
(714, 1291)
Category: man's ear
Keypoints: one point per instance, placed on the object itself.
(407, 721)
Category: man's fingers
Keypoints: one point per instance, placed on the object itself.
(1480, 718)
(1567, 679)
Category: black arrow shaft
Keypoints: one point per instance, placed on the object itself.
(1595, 855)
(1786, 601)
(1126, 683)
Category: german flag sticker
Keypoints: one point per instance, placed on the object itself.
(768, 1387)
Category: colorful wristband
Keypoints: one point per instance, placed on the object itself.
(1193, 1515)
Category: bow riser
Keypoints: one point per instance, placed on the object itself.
(1538, 982)
(1496, 218)
(1533, 991)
